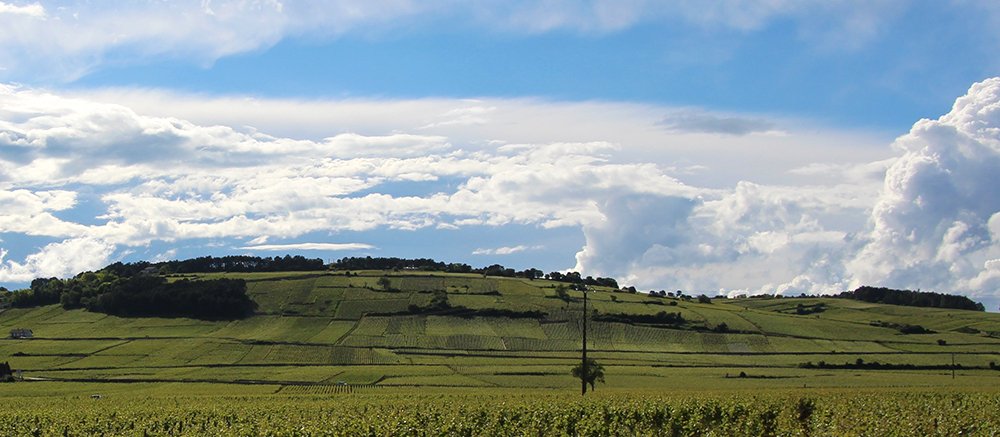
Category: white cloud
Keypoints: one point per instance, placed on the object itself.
(241, 184)
(170, 254)
(634, 129)
(60, 259)
(34, 10)
(505, 250)
(70, 40)
(308, 246)
(32, 213)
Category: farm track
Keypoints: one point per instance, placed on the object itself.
(186, 381)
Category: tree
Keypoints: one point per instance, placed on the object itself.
(532, 274)
(561, 293)
(595, 372)
(6, 373)
(385, 283)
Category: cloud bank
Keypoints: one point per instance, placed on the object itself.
(666, 207)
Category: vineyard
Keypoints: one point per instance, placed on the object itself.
(340, 412)
(418, 353)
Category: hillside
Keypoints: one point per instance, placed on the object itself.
(407, 328)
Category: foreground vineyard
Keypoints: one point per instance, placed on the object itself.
(807, 412)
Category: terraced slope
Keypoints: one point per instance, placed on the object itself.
(318, 329)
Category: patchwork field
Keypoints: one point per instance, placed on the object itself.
(324, 330)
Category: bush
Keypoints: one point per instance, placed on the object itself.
(805, 409)
(660, 318)
(914, 329)
(562, 293)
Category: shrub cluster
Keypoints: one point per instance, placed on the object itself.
(141, 295)
(660, 318)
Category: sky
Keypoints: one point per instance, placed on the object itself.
(738, 146)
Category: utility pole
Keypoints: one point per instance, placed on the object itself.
(583, 379)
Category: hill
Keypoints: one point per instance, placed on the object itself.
(315, 330)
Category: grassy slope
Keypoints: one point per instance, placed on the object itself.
(318, 329)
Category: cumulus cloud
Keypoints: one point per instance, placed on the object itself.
(931, 226)
(721, 240)
(61, 259)
(70, 40)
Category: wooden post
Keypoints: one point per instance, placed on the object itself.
(583, 379)
(952, 365)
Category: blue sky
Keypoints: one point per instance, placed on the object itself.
(738, 146)
(918, 60)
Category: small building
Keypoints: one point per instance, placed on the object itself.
(21, 333)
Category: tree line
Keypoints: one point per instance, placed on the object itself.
(427, 264)
(211, 264)
(912, 298)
